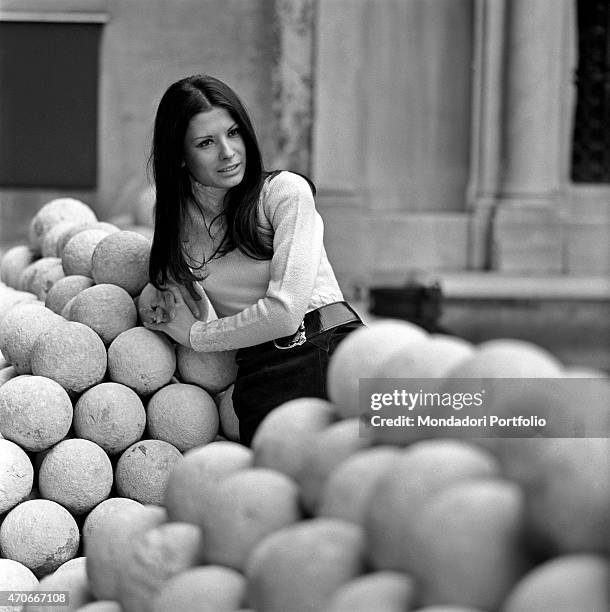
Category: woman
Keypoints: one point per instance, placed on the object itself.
(249, 240)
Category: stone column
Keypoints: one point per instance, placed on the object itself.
(487, 107)
(292, 82)
(527, 232)
(521, 135)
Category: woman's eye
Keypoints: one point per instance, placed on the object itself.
(234, 131)
(204, 143)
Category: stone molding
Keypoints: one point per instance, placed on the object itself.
(64, 11)
(523, 101)
(292, 83)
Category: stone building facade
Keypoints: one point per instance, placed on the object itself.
(439, 132)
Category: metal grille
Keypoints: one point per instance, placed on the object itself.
(591, 143)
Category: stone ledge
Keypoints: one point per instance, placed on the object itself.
(82, 11)
(495, 286)
(502, 286)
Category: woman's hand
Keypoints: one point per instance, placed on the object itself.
(179, 319)
(196, 299)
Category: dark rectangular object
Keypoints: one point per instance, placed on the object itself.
(48, 104)
(417, 303)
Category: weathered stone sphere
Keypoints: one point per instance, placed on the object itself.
(35, 412)
(183, 415)
(213, 371)
(122, 259)
(15, 576)
(106, 309)
(141, 359)
(64, 290)
(77, 474)
(40, 534)
(19, 330)
(77, 254)
(13, 263)
(105, 510)
(40, 276)
(16, 475)
(71, 354)
(143, 470)
(111, 415)
(70, 232)
(59, 209)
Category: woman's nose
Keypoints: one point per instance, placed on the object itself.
(226, 150)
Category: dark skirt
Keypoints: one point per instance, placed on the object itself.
(268, 377)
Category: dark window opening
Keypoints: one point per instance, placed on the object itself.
(48, 104)
(591, 142)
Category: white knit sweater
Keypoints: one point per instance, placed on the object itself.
(257, 301)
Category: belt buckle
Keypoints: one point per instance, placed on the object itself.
(297, 339)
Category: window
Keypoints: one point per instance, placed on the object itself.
(591, 142)
(48, 104)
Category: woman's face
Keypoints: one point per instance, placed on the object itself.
(214, 150)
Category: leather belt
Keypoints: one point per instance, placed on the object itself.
(317, 322)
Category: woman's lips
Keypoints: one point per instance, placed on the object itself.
(230, 168)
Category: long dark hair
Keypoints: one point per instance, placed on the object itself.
(179, 104)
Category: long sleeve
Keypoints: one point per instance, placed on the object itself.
(289, 206)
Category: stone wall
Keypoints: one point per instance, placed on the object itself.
(149, 44)
(437, 132)
(262, 48)
(391, 149)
